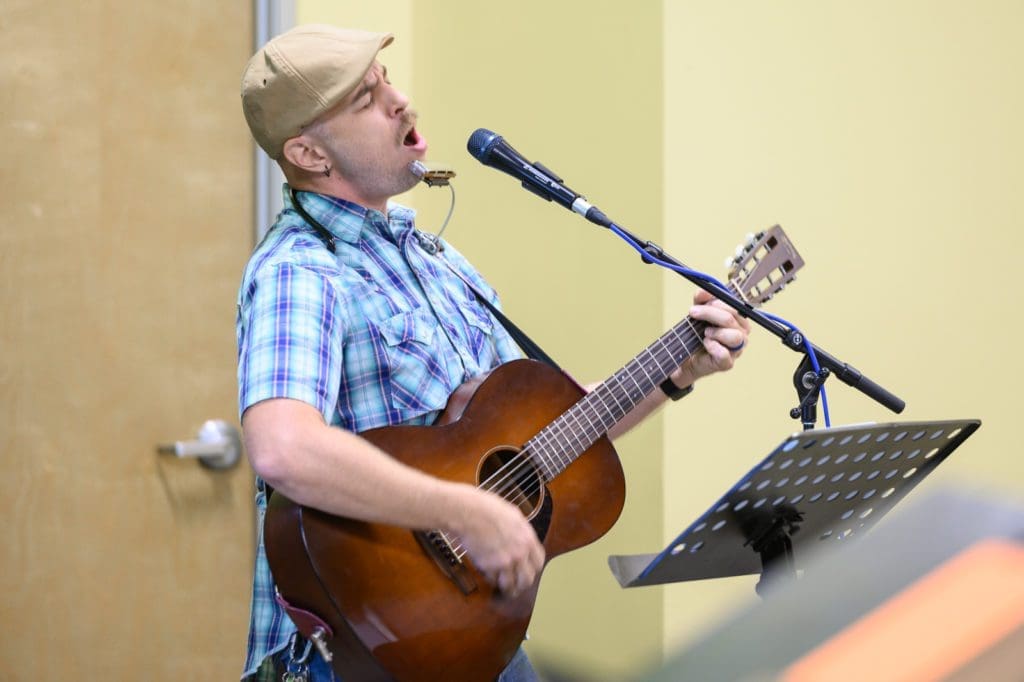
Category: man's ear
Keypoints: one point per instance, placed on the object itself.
(305, 154)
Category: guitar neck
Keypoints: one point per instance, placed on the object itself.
(561, 442)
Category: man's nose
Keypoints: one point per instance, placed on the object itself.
(398, 100)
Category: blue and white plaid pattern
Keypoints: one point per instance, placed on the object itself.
(379, 333)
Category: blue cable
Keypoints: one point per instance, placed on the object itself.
(714, 282)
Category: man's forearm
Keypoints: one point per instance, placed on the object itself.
(338, 472)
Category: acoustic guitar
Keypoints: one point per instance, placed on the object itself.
(388, 603)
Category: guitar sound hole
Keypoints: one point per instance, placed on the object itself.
(514, 477)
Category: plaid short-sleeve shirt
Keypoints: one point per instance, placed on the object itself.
(378, 333)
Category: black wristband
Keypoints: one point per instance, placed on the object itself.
(669, 388)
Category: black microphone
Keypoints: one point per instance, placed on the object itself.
(491, 150)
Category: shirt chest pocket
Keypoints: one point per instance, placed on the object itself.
(479, 334)
(415, 371)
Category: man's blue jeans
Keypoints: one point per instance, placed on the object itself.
(518, 669)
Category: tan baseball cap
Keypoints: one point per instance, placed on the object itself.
(299, 75)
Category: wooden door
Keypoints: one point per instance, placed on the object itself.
(125, 220)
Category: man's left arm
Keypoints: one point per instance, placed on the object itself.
(724, 339)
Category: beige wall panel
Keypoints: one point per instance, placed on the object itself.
(126, 221)
(886, 138)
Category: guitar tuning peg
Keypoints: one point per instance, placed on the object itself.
(740, 251)
(729, 262)
(751, 239)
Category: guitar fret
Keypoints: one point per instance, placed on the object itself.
(545, 452)
(634, 399)
(580, 430)
(544, 444)
(538, 457)
(612, 405)
(566, 434)
(583, 430)
(679, 357)
(560, 433)
(588, 411)
(669, 358)
(595, 396)
(623, 400)
(652, 382)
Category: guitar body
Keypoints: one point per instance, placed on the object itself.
(397, 607)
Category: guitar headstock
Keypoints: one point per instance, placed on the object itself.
(764, 265)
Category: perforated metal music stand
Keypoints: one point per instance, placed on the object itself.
(817, 487)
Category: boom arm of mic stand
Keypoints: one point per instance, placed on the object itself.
(791, 339)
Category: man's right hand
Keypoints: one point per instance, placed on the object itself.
(499, 539)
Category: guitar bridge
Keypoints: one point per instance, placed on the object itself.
(439, 548)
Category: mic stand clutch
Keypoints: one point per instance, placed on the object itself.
(808, 385)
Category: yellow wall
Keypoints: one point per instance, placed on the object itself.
(884, 137)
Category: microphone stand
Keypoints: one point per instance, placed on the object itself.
(492, 150)
(806, 380)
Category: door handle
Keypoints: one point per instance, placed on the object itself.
(218, 445)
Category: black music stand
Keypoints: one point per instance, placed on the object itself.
(818, 487)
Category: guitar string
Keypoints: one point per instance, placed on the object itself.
(505, 481)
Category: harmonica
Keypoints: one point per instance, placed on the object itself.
(434, 177)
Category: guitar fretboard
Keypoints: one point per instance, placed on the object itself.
(570, 435)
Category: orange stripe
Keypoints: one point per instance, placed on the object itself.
(933, 627)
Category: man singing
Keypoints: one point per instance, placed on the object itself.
(345, 323)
